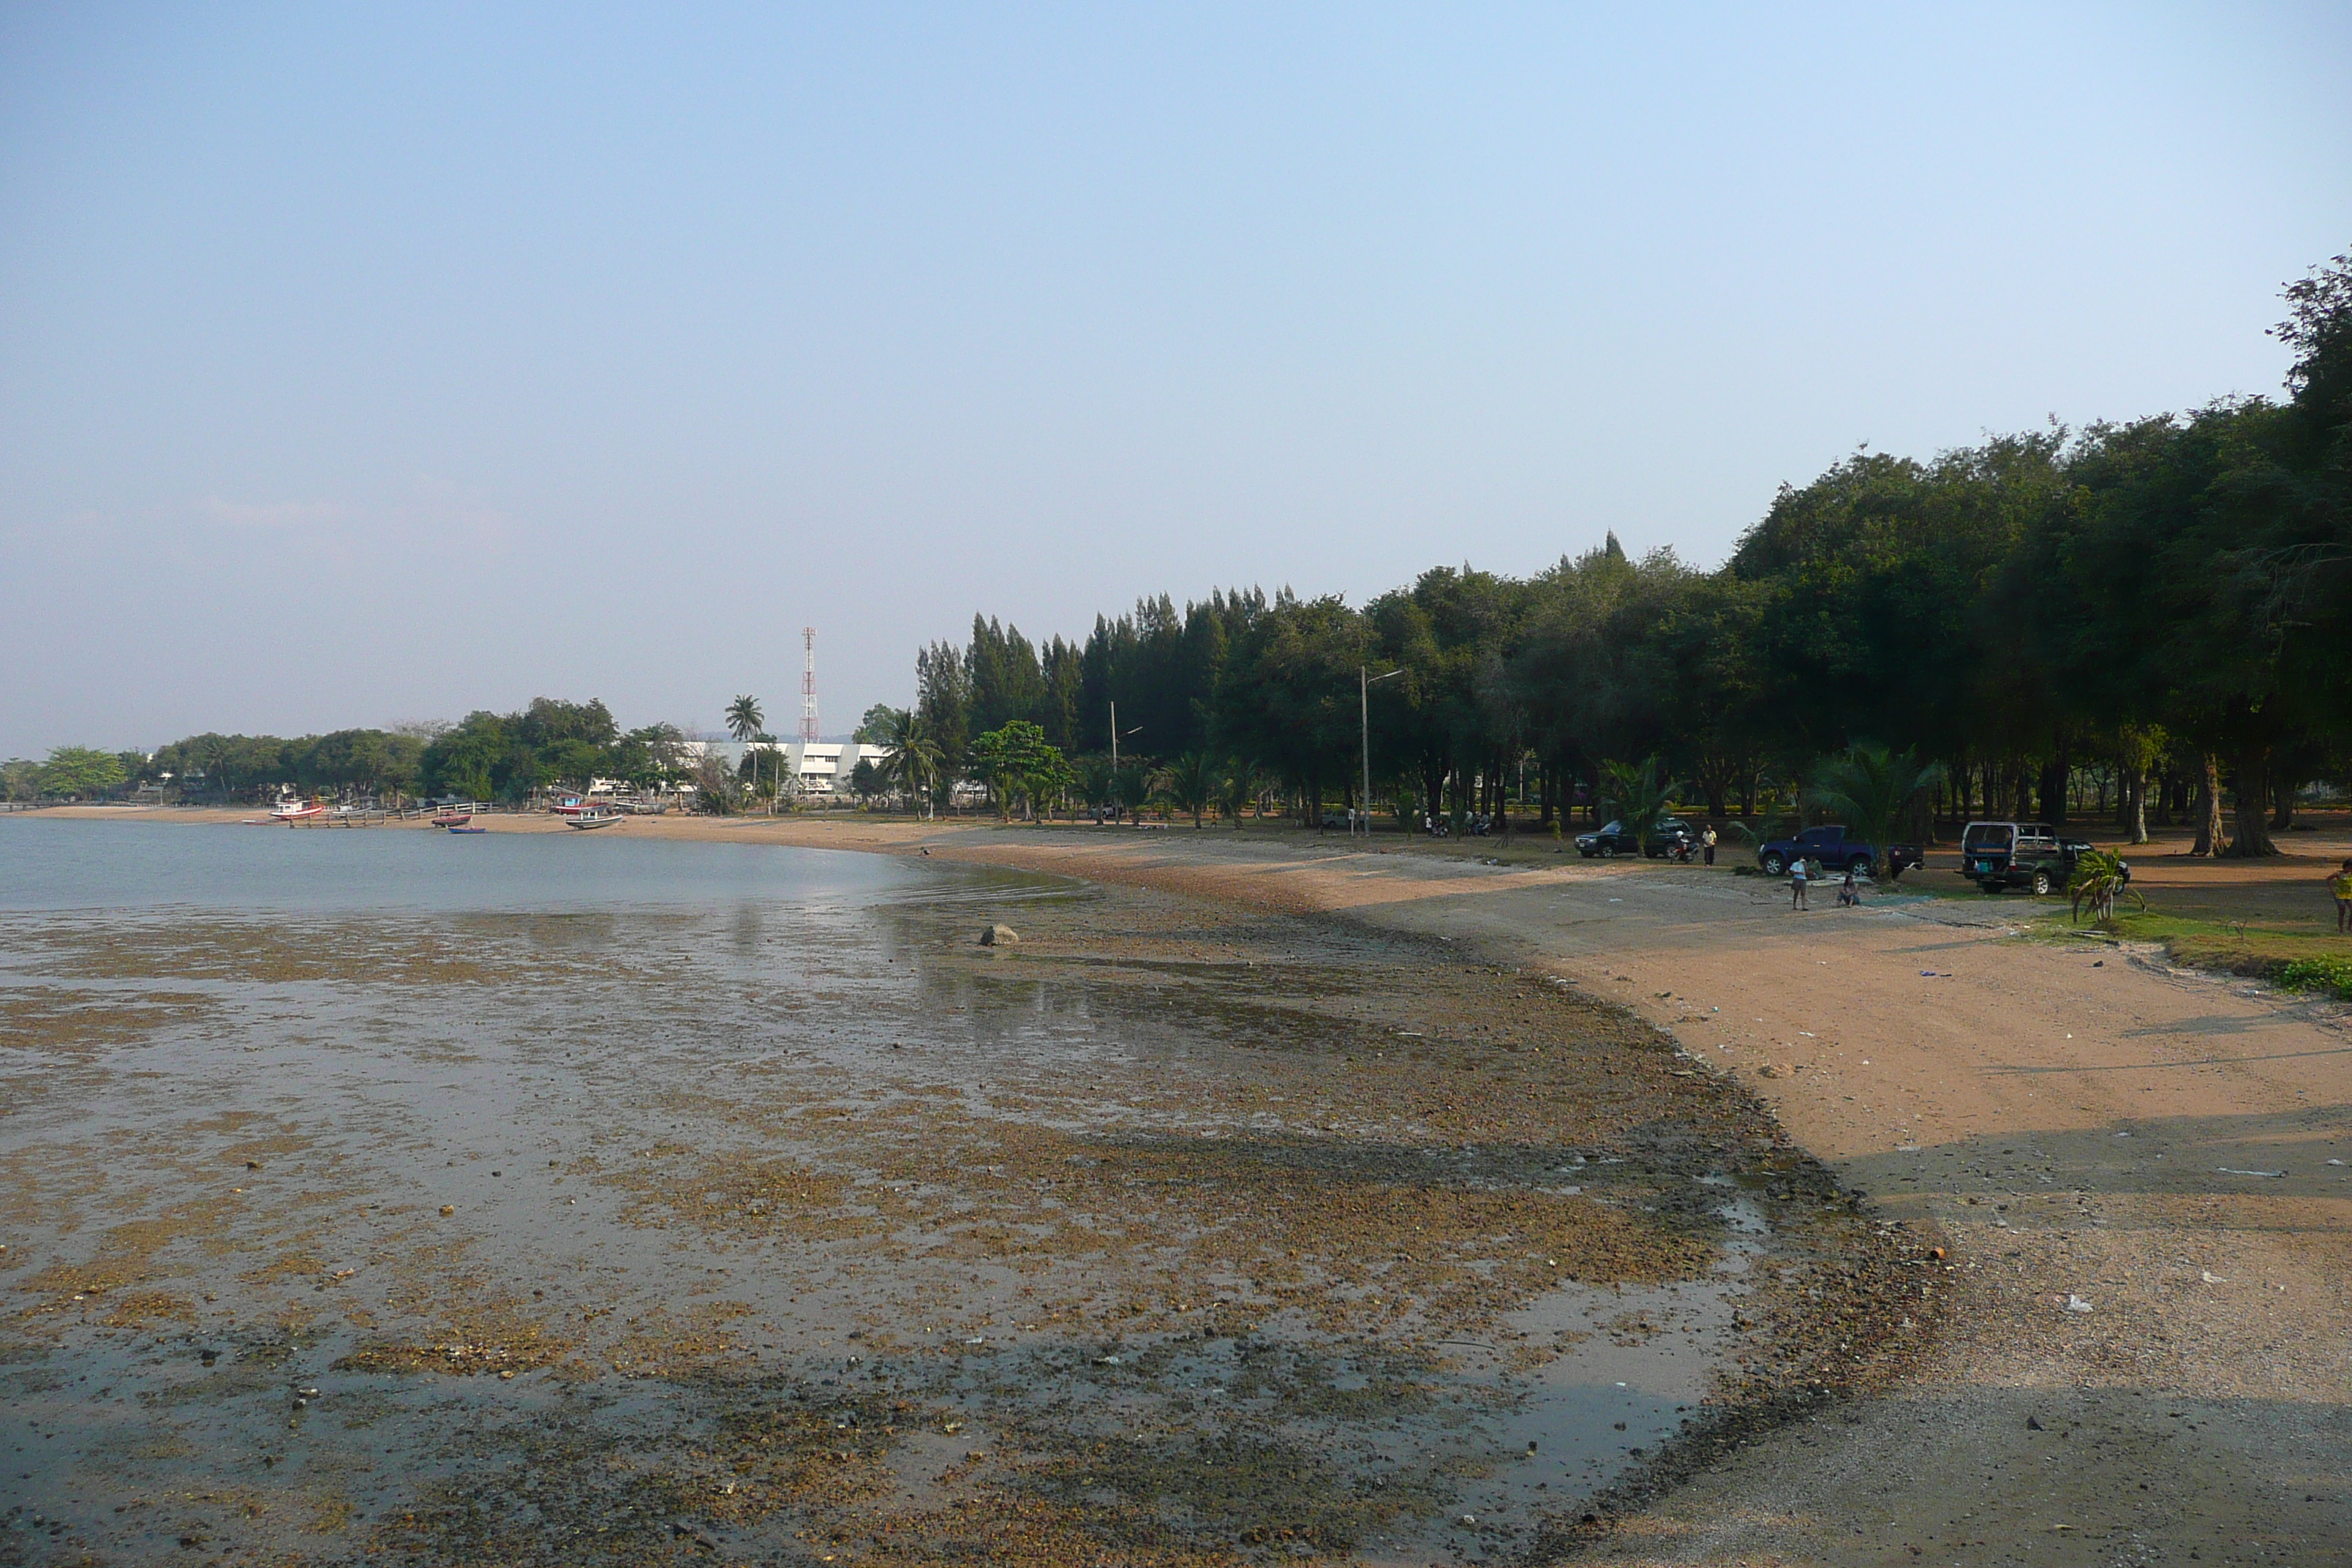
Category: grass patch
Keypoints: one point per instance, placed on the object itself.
(2299, 961)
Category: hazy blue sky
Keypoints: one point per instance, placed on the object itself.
(361, 365)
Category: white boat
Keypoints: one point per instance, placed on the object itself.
(595, 819)
(297, 810)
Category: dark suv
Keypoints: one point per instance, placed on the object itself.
(2030, 855)
(1615, 838)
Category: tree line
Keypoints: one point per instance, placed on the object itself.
(551, 744)
(2161, 607)
(2154, 615)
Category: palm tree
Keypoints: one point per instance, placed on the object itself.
(744, 720)
(214, 753)
(913, 764)
(1636, 797)
(1873, 789)
(2098, 881)
(1237, 784)
(1135, 783)
(1096, 782)
(1192, 784)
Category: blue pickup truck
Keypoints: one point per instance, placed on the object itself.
(1834, 852)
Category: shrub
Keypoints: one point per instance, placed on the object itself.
(2331, 976)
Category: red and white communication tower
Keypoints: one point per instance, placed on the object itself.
(808, 683)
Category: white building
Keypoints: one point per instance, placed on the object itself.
(814, 767)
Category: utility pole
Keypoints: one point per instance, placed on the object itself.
(1364, 708)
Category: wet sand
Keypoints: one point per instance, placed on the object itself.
(1174, 1232)
(2087, 1125)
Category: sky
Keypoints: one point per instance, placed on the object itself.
(361, 365)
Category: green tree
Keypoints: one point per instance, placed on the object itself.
(1873, 790)
(1289, 700)
(654, 756)
(744, 722)
(1236, 787)
(1015, 760)
(79, 772)
(1192, 784)
(1637, 797)
(912, 763)
(944, 704)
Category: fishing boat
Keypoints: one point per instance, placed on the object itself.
(291, 810)
(595, 819)
(466, 827)
(452, 819)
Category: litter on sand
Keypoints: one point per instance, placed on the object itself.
(2210, 1277)
(2225, 1171)
(2076, 1304)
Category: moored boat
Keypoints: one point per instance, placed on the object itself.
(595, 819)
(466, 827)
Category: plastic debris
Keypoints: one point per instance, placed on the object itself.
(2076, 1304)
(2225, 1171)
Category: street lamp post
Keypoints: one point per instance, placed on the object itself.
(1114, 740)
(1364, 708)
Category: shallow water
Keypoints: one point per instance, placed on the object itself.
(776, 1209)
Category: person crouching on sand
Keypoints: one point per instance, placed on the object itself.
(1848, 894)
(2340, 885)
(1798, 877)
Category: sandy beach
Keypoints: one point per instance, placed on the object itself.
(2136, 1346)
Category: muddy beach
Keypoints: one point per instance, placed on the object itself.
(733, 1202)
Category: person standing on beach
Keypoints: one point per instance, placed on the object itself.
(1706, 845)
(1798, 874)
(2340, 885)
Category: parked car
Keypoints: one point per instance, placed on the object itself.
(2030, 855)
(1830, 848)
(1616, 838)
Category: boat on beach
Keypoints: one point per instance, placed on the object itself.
(452, 819)
(595, 819)
(468, 826)
(292, 810)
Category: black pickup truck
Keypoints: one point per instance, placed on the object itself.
(2030, 855)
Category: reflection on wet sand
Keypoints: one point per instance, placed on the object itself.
(809, 1230)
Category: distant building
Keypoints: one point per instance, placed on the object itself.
(815, 767)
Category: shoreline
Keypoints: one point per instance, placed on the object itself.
(2023, 1172)
(1495, 1083)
